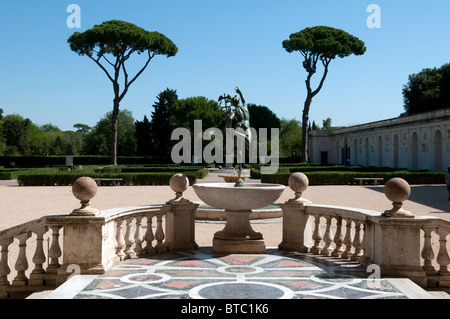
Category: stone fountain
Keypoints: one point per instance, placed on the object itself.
(238, 235)
(238, 200)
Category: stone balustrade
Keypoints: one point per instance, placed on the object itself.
(436, 264)
(401, 244)
(22, 284)
(398, 242)
(93, 241)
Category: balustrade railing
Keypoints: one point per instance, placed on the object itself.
(137, 234)
(92, 241)
(343, 233)
(436, 263)
(402, 245)
(17, 239)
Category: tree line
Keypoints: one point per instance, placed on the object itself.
(150, 136)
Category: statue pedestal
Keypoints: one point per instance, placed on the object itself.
(238, 236)
(69, 160)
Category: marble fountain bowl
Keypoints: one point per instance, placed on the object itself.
(237, 199)
(238, 235)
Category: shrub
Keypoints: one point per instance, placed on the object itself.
(67, 178)
(347, 178)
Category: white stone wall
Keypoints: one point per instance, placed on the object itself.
(420, 142)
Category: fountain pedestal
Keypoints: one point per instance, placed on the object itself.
(238, 236)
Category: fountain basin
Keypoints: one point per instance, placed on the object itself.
(238, 235)
(246, 198)
(207, 212)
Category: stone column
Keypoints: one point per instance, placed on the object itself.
(397, 249)
(295, 221)
(296, 226)
(180, 220)
(88, 240)
(89, 245)
(397, 237)
(180, 227)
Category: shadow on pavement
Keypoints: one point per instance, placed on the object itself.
(434, 196)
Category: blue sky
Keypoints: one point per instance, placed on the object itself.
(222, 44)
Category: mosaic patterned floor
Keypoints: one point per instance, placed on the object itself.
(200, 275)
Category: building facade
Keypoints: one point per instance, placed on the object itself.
(418, 142)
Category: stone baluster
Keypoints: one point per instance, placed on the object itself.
(348, 242)
(22, 262)
(129, 239)
(159, 235)
(4, 265)
(327, 238)
(120, 241)
(149, 237)
(338, 238)
(317, 236)
(363, 241)
(442, 258)
(357, 243)
(427, 251)
(138, 237)
(38, 258)
(55, 250)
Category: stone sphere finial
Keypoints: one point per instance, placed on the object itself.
(84, 189)
(298, 182)
(179, 183)
(397, 190)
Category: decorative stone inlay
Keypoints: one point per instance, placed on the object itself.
(197, 275)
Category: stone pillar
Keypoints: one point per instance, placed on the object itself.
(296, 225)
(180, 220)
(88, 242)
(295, 221)
(180, 227)
(397, 249)
(89, 245)
(397, 237)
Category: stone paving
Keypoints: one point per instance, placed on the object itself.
(201, 275)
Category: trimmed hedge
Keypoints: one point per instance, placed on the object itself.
(347, 178)
(66, 179)
(150, 169)
(154, 175)
(12, 173)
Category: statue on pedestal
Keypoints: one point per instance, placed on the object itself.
(241, 115)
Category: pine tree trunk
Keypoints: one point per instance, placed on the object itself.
(115, 121)
(305, 122)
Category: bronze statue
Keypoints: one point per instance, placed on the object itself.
(242, 117)
(240, 112)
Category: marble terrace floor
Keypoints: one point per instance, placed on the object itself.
(202, 275)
